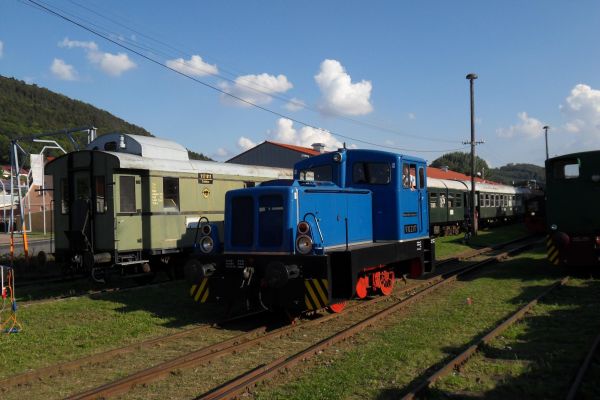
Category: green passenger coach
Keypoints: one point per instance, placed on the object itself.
(130, 203)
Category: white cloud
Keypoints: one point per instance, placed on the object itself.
(112, 64)
(245, 144)
(528, 127)
(195, 66)
(62, 70)
(582, 109)
(338, 94)
(70, 44)
(306, 136)
(221, 152)
(295, 104)
(1, 48)
(256, 89)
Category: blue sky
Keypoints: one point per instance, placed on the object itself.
(390, 73)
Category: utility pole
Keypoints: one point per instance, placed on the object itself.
(546, 135)
(474, 225)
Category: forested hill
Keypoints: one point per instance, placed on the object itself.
(509, 174)
(28, 109)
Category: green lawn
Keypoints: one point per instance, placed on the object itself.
(447, 246)
(69, 329)
(380, 364)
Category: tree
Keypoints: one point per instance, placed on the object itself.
(460, 162)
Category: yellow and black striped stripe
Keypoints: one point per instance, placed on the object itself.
(200, 291)
(551, 250)
(316, 293)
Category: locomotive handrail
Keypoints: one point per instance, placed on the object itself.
(317, 224)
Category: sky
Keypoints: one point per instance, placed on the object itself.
(220, 77)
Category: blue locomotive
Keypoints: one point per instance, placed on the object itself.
(347, 224)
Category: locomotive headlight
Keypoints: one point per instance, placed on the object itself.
(304, 244)
(206, 230)
(337, 157)
(596, 178)
(206, 244)
(303, 227)
(553, 227)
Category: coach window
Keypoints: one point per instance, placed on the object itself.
(450, 200)
(487, 200)
(127, 194)
(458, 201)
(100, 195)
(171, 194)
(64, 196)
(421, 178)
(433, 199)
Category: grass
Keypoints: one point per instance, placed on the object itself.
(70, 329)
(381, 364)
(447, 246)
(65, 330)
(537, 357)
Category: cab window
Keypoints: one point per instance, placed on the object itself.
(320, 173)
(371, 173)
(566, 169)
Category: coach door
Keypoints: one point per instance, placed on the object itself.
(128, 212)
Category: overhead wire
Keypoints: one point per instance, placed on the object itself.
(254, 87)
(257, 86)
(44, 7)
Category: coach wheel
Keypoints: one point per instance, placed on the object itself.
(337, 307)
(386, 283)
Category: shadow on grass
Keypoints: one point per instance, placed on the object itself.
(552, 344)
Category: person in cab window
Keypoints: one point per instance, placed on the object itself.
(405, 176)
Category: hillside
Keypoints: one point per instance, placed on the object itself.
(29, 109)
(508, 174)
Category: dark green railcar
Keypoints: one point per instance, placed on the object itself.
(572, 209)
(448, 203)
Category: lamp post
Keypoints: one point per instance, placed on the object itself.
(471, 78)
(546, 135)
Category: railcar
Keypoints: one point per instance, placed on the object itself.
(130, 203)
(347, 224)
(448, 205)
(572, 216)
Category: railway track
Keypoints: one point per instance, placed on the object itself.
(464, 356)
(235, 344)
(248, 380)
(574, 389)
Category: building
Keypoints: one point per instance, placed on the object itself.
(273, 154)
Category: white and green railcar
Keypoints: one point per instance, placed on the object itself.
(131, 203)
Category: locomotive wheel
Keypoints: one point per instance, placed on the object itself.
(362, 287)
(387, 280)
(337, 307)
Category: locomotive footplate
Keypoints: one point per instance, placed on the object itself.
(274, 281)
